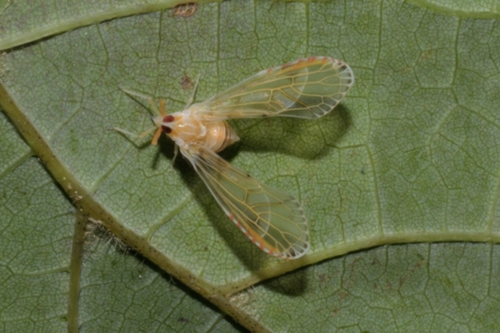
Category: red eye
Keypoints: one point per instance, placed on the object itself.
(168, 119)
(166, 129)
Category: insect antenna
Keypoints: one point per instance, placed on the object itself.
(159, 113)
(133, 94)
(134, 135)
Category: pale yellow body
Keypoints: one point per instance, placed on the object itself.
(186, 129)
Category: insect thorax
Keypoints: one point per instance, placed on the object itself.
(214, 135)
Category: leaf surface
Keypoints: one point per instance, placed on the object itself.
(410, 157)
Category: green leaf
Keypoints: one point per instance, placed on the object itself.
(99, 233)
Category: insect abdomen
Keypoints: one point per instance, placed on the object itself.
(219, 136)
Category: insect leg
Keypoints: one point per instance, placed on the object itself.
(176, 152)
(191, 99)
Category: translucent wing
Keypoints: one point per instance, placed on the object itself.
(273, 220)
(306, 88)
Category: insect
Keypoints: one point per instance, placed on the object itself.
(307, 88)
